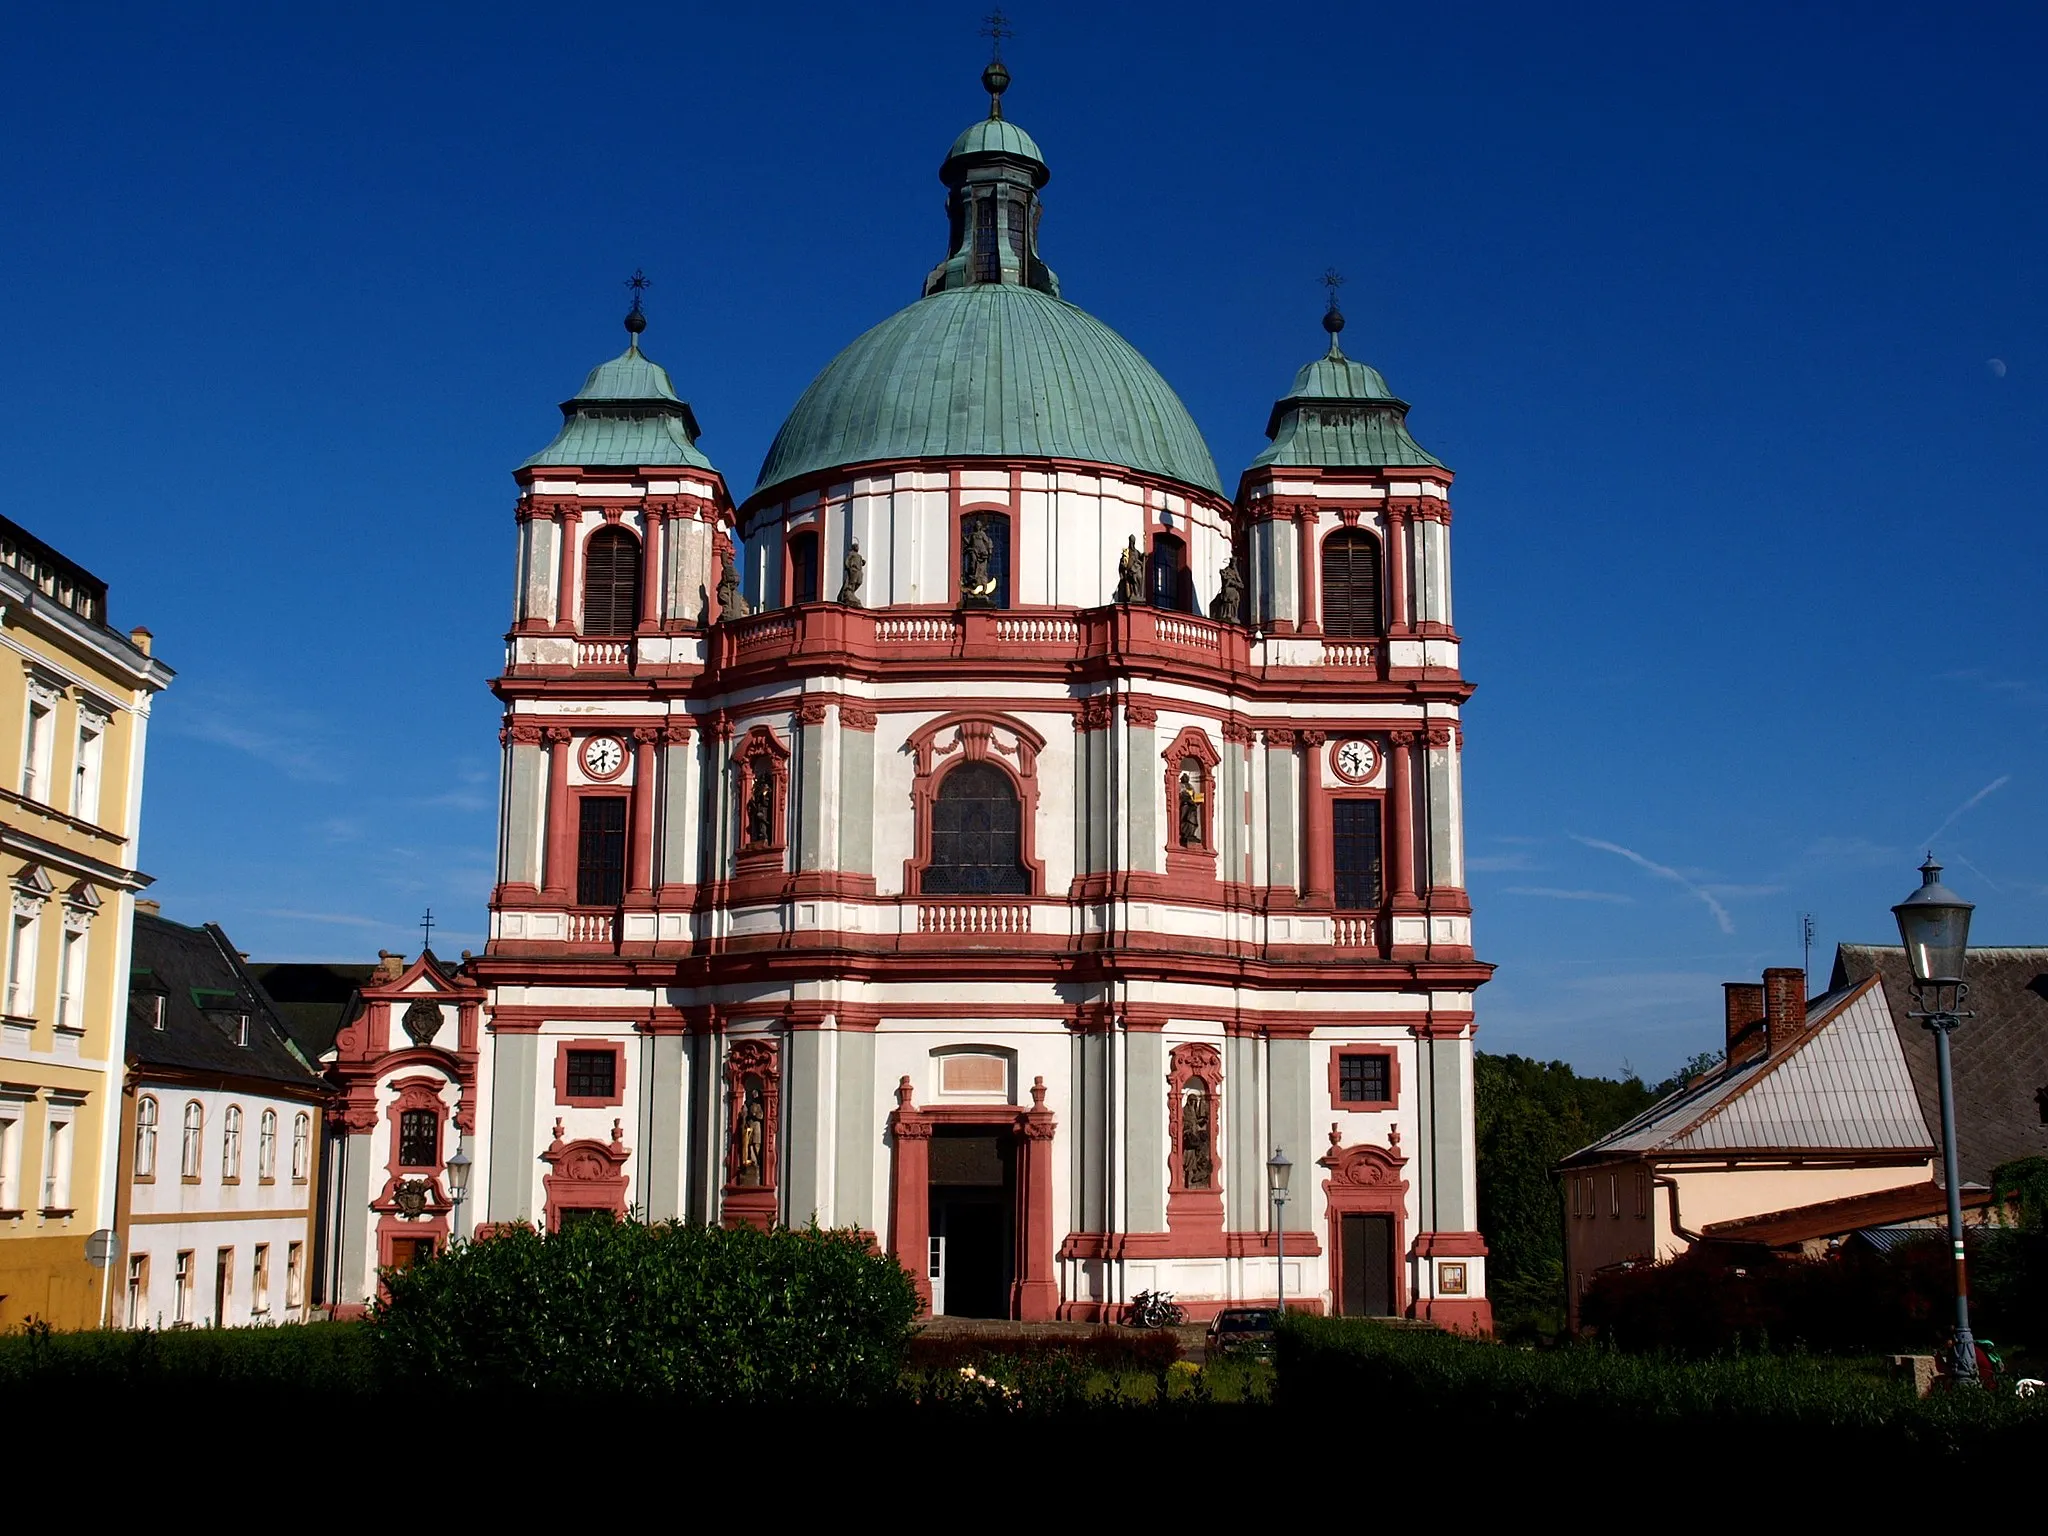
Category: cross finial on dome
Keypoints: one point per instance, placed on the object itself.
(636, 317)
(1333, 313)
(995, 79)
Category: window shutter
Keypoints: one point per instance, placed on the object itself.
(1351, 584)
(611, 583)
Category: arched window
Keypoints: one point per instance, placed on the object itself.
(188, 1152)
(611, 583)
(977, 836)
(1168, 573)
(146, 1113)
(803, 567)
(266, 1146)
(302, 1147)
(988, 266)
(1351, 583)
(231, 1143)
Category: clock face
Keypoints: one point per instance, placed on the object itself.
(603, 756)
(1356, 759)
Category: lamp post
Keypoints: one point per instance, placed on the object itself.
(458, 1186)
(1277, 1170)
(1934, 922)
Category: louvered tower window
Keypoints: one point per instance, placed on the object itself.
(977, 836)
(988, 266)
(1351, 584)
(601, 851)
(611, 583)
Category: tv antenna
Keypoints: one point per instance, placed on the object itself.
(1806, 941)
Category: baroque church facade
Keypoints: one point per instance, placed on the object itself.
(990, 833)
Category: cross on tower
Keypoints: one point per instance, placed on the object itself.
(427, 923)
(1333, 280)
(995, 27)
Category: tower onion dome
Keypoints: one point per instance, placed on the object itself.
(991, 362)
(1339, 414)
(627, 414)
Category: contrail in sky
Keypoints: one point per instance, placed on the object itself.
(1664, 872)
(1970, 804)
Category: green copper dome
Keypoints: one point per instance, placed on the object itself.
(996, 136)
(992, 370)
(627, 414)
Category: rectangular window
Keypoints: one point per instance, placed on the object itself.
(138, 1289)
(419, 1138)
(295, 1275)
(1614, 1194)
(1363, 1080)
(223, 1284)
(71, 981)
(21, 968)
(35, 753)
(803, 568)
(259, 1282)
(10, 1154)
(591, 1075)
(57, 1140)
(1642, 1192)
(85, 775)
(601, 851)
(1355, 832)
(181, 1292)
(1575, 1195)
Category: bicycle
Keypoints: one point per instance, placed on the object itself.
(1156, 1309)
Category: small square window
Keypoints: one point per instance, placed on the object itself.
(1362, 1079)
(591, 1075)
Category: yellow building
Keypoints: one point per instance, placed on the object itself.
(74, 714)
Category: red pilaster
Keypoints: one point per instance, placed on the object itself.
(561, 852)
(1036, 1297)
(910, 1216)
(654, 527)
(1320, 866)
(1401, 818)
(1399, 529)
(1311, 566)
(640, 858)
(566, 520)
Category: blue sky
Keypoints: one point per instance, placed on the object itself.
(1731, 319)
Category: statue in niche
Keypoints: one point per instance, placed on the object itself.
(1130, 574)
(761, 803)
(1195, 1167)
(1229, 605)
(856, 569)
(753, 1132)
(1190, 810)
(977, 553)
(732, 603)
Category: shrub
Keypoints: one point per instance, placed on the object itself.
(301, 1360)
(1108, 1349)
(699, 1315)
(1534, 1406)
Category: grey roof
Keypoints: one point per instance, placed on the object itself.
(312, 998)
(1842, 1084)
(1998, 1058)
(206, 991)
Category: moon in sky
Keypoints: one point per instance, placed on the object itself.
(1997, 367)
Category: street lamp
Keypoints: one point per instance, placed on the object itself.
(1934, 922)
(458, 1186)
(1277, 1170)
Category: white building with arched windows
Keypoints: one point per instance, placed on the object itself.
(991, 832)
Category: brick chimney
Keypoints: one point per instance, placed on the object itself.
(389, 966)
(149, 905)
(1784, 1006)
(1745, 1010)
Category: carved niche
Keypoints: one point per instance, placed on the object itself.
(753, 1094)
(585, 1175)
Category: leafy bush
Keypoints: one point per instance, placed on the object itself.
(1107, 1349)
(1534, 1406)
(698, 1315)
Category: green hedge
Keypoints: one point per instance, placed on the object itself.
(692, 1314)
(298, 1360)
(1537, 1405)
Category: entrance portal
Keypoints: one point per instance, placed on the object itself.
(1366, 1263)
(973, 1216)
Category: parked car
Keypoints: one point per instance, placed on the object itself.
(1243, 1331)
